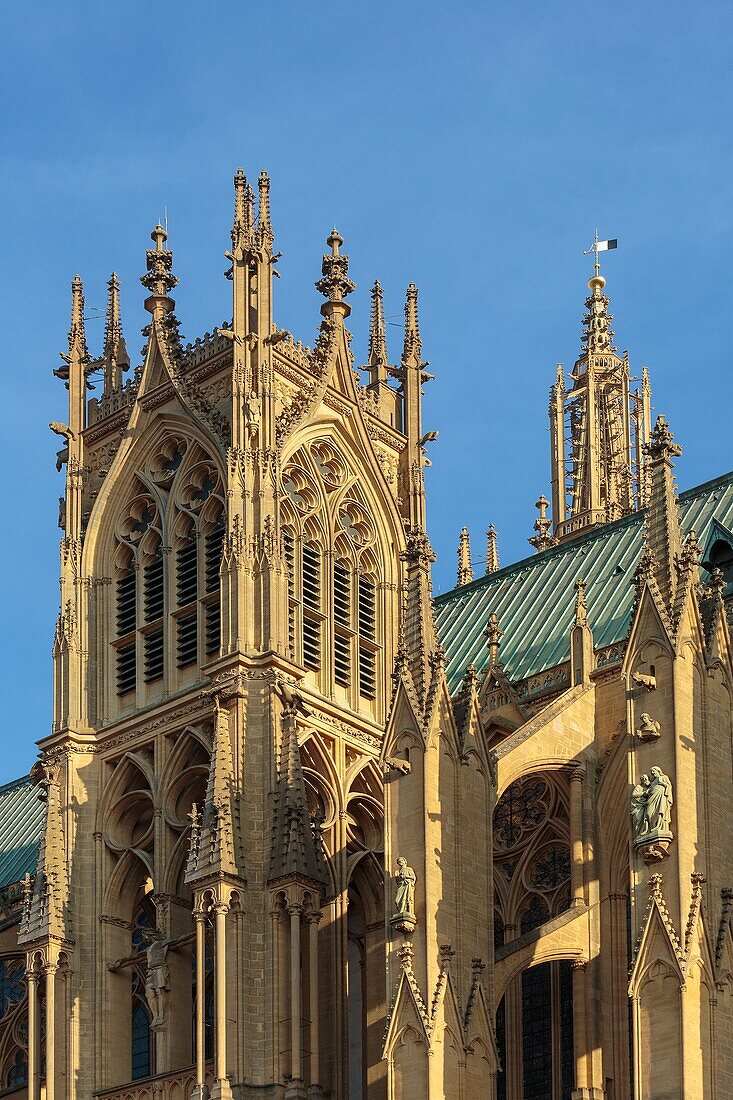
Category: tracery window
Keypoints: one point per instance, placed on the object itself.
(13, 1023)
(169, 540)
(532, 852)
(333, 567)
(537, 1063)
(142, 1050)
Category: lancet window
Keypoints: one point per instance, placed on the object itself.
(333, 566)
(168, 545)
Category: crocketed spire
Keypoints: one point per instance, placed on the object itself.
(465, 570)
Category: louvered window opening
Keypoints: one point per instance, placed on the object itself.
(367, 634)
(153, 647)
(342, 594)
(186, 642)
(153, 589)
(126, 601)
(311, 577)
(311, 580)
(214, 545)
(342, 659)
(367, 620)
(289, 552)
(367, 672)
(126, 668)
(311, 643)
(186, 572)
(212, 627)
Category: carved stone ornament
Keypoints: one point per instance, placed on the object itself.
(404, 919)
(649, 729)
(651, 815)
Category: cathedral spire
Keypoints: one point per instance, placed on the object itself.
(492, 550)
(115, 357)
(412, 376)
(377, 365)
(597, 427)
(465, 570)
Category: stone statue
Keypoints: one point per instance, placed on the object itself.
(651, 814)
(252, 413)
(157, 976)
(649, 730)
(405, 896)
(157, 973)
(404, 918)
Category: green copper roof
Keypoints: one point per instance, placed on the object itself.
(534, 599)
(21, 822)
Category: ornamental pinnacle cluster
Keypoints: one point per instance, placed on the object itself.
(306, 831)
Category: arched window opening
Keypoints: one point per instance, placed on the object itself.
(721, 557)
(18, 1072)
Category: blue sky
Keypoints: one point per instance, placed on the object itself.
(471, 147)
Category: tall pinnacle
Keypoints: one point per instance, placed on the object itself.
(265, 235)
(243, 224)
(116, 359)
(77, 334)
(377, 364)
(413, 344)
(492, 550)
(465, 570)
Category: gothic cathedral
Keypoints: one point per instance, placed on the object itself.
(300, 829)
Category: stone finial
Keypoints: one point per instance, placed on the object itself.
(492, 550)
(465, 570)
(494, 635)
(543, 539)
(597, 332)
(335, 283)
(116, 359)
(662, 444)
(159, 278)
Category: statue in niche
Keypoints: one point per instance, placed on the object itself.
(651, 815)
(404, 919)
(252, 413)
(649, 729)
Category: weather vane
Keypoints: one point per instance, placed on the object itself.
(599, 246)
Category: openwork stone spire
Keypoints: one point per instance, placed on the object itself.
(598, 428)
(465, 570)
